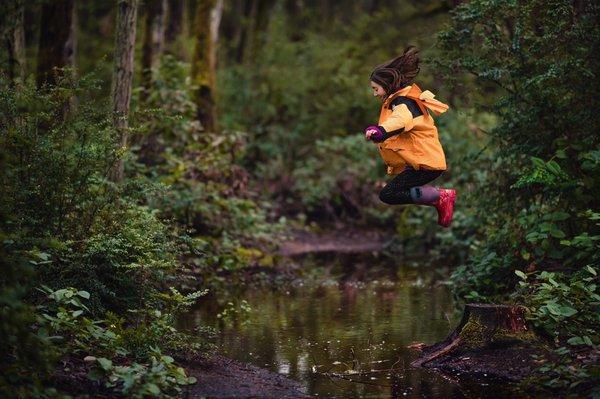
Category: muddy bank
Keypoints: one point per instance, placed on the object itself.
(491, 342)
(509, 362)
(348, 240)
(221, 377)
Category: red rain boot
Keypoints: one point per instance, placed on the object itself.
(445, 206)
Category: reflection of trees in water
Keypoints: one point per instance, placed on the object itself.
(322, 325)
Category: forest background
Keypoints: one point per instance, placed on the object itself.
(245, 120)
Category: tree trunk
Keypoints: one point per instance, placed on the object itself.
(57, 40)
(295, 18)
(190, 15)
(241, 34)
(123, 75)
(154, 41)
(480, 325)
(259, 21)
(202, 72)
(14, 40)
(215, 22)
(174, 20)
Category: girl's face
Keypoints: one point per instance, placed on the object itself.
(378, 91)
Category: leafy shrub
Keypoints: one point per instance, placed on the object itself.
(140, 374)
(346, 185)
(28, 357)
(537, 204)
(96, 234)
(564, 308)
(67, 225)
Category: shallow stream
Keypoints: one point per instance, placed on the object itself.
(343, 340)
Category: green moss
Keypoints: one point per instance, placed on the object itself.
(474, 334)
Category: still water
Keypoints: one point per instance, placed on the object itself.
(343, 340)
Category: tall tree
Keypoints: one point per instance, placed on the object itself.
(241, 35)
(259, 20)
(57, 39)
(154, 39)
(123, 74)
(208, 16)
(215, 23)
(13, 33)
(175, 11)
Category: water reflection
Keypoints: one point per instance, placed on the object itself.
(342, 340)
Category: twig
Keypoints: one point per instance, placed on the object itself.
(438, 353)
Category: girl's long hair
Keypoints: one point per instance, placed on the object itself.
(398, 72)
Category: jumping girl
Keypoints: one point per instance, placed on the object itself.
(407, 137)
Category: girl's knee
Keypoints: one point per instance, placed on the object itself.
(385, 196)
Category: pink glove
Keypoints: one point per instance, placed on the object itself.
(377, 134)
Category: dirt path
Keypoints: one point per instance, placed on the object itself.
(221, 377)
(342, 241)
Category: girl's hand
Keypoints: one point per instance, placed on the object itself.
(370, 132)
(373, 133)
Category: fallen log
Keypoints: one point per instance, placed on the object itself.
(480, 326)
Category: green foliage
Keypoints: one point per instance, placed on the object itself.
(95, 234)
(53, 181)
(140, 374)
(67, 225)
(347, 184)
(568, 372)
(538, 201)
(27, 355)
(204, 188)
(528, 204)
(233, 312)
(567, 309)
(160, 379)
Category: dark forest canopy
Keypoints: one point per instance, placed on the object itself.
(153, 151)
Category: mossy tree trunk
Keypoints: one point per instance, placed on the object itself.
(260, 20)
(154, 41)
(57, 40)
(13, 34)
(204, 61)
(480, 325)
(175, 22)
(250, 25)
(215, 22)
(123, 75)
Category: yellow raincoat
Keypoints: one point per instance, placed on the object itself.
(418, 145)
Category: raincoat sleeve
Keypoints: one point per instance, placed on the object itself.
(401, 118)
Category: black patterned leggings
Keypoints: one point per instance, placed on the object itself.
(397, 191)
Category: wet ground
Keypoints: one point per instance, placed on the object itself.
(344, 340)
(220, 378)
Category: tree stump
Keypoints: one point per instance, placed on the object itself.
(481, 325)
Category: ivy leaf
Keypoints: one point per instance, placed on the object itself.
(560, 310)
(553, 308)
(561, 154)
(153, 389)
(105, 363)
(575, 341)
(521, 274)
(567, 311)
(84, 294)
(556, 233)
